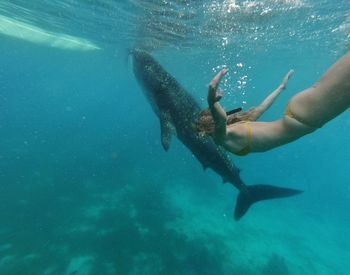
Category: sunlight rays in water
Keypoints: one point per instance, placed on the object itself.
(34, 34)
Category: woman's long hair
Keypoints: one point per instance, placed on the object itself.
(205, 125)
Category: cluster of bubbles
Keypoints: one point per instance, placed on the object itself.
(238, 29)
(236, 82)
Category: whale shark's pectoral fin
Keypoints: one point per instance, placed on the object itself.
(166, 129)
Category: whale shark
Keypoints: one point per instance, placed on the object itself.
(177, 111)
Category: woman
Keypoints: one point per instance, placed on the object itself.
(305, 112)
(206, 124)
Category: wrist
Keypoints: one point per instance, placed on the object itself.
(211, 104)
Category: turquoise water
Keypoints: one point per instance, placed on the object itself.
(85, 185)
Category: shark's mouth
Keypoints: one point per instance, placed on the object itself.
(25, 31)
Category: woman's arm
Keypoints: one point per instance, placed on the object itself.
(218, 113)
(258, 111)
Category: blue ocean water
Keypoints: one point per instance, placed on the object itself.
(85, 185)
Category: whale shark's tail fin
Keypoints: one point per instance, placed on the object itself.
(260, 192)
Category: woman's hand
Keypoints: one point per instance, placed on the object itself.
(213, 94)
(218, 113)
(286, 78)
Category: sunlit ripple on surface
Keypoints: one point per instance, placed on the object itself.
(185, 24)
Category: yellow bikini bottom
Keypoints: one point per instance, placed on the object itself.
(288, 112)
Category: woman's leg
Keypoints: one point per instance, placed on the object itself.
(327, 98)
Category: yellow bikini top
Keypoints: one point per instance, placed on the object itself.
(246, 149)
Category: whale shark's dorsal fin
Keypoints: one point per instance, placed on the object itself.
(166, 129)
